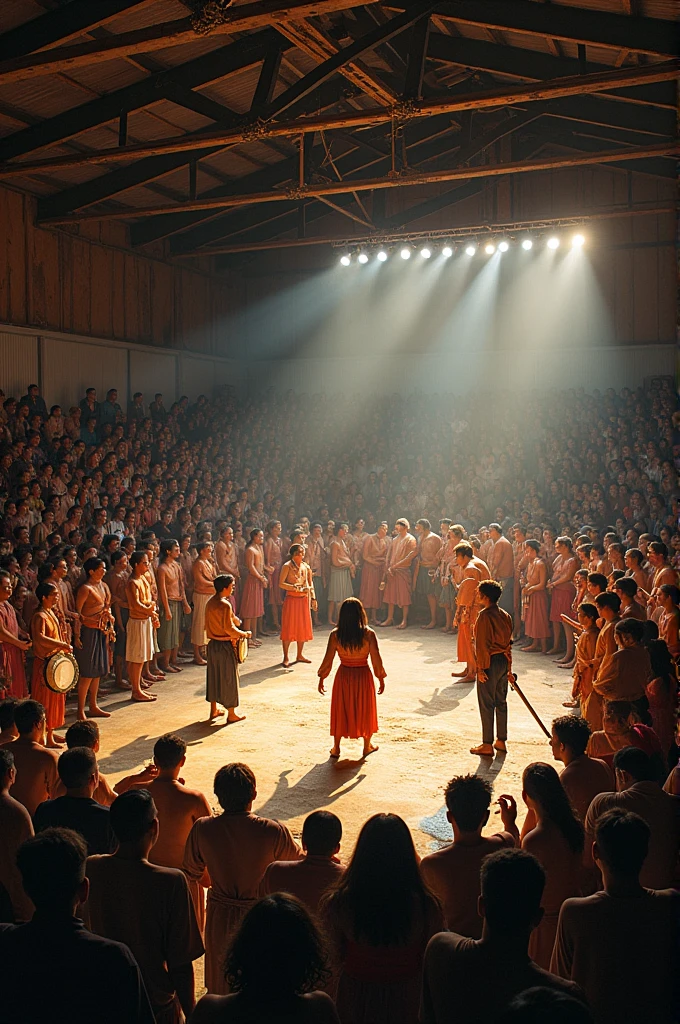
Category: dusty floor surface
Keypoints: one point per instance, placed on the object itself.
(428, 721)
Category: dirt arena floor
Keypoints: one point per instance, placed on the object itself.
(428, 721)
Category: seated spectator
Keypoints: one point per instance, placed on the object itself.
(621, 945)
(453, 873)
(582, 777)
(622, 728)
(77, 810)
(625, 675)
(546, 1006)
(379, 918)
(86, 734)
(36, 766)
(556, 840)
(662, 694)
(308, 879)
(230, 853)
(274, 964)
(178, 808)
(106, 987)
(8, 729)
(474, 980)
(639, 792)
(147, 907)
(15, 828)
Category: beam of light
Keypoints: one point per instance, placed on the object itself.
(554, 242)
(470, 250)
(345, 260)
(447, 251)
(382, 256)
(405, 254)
(489, 249)
(527, 244)
(425, 253)
(363, 258)
(503, 246)
(578, 241)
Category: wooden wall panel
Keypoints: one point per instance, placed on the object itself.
(118, 295)
(81, 269)
(13, 263)
(162, 312)
(101, 297)
(44, 299)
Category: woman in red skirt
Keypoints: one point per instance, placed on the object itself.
(47, 640)
(295, 580)
(354, 712)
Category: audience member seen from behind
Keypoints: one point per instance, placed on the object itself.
(582, 777)
(54, 957)
(621, 944)
(15, 828)
(36, 766)
(545, 1006)
(379, 918)
(453, 873)
(308, 879)
(78, 810)
(274, 968)
(474, 980)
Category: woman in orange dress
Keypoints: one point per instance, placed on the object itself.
(47, 640)
(295, 580)
(354, 712)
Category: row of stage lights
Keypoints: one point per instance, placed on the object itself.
(447, 251)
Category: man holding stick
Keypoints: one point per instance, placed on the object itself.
(493, 642)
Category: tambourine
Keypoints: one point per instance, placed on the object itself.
(241, 649)
(61, 672)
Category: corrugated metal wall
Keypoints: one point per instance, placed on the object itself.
(18, 363)
(69, 368)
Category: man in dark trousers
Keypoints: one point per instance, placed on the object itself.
(493, 640)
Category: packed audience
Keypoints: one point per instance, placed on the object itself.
(114, 525)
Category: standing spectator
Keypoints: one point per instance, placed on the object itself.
(110, 411)
(15, 828)
(77, 810)
(89, 406)
(582, 777)
(35, 402)
(36, 766)
(136, 410)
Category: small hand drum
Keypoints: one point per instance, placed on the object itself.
(61, 672)
(241, 649)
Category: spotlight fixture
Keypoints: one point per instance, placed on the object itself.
(490, 249)
(527, 244)
(503, 246)
(470, 250)
(577, 241)
(447, 251)
(425, 253)
(405, 254)
(553, 243)
(382, 256)
(362, 257)
(345, 260)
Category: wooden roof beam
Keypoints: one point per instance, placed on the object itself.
(65, 23)
(670, 150)
(244, 18)
(653, 36)
(488, 99)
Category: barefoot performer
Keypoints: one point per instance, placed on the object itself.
(426, 562)
(401, 553)
(48, 639)
(140, 626)
(93, 604)
(222, 628)
(374, 556)
(493, 655)
(295, 579)
(354, 712)
(468, 607)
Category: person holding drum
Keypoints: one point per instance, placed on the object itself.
(48, 640)
(93, 603)
(140, 625)
(222, 629)
(296, 581)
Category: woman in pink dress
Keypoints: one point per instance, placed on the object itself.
(12, 645)
(535, 600)
(354, 712)
(379, 917)
(273, 557)
(662, 694)
(295, 580)
(562, 593)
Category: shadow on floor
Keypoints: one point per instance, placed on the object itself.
(446, 699)
(140, 749)
(322, 785)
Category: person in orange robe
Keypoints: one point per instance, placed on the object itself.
(585, 653)
(295, 580)
(668, 597)
(605, 648)
(12, 644)
(354, 713)
(468, 608)
(48, 640)
(535, 599)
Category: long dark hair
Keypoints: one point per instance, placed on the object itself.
(278, 950)
(382, 886)
(352, 625)
(542, 783)
(662, 663)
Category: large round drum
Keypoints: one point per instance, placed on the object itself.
(241, 649)
(61, 672)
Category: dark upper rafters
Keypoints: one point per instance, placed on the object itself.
(64, 23)
(653, 36)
